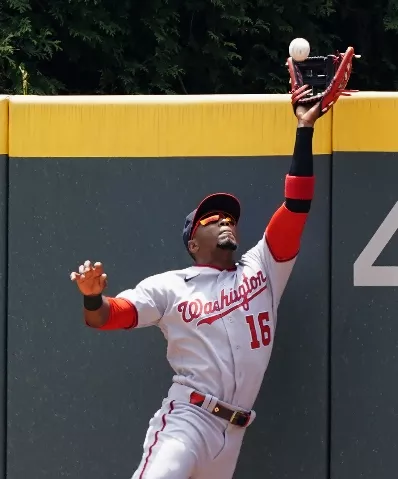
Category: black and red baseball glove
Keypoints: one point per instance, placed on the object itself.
(320, 79)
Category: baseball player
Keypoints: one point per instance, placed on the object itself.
(218, 317)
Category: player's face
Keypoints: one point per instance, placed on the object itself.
(216, 231)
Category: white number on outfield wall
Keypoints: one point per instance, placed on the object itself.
(365, 274)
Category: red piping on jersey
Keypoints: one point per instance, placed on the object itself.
(283, 233)
(215, 267)
(156, 439)
(122, 315)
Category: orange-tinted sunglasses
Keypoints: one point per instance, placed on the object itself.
(214, 218)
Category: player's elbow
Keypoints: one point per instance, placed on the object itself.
(115, 313)
(299, 192)
(298, 206)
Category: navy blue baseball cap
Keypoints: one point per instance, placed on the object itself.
(216, 203)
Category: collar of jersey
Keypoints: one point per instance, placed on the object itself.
(204, 267)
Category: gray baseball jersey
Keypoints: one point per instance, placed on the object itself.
(219, 325)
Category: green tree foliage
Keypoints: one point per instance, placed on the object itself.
(185, 46)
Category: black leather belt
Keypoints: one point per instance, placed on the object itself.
(237, 418)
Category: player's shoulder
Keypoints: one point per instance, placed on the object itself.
(166, 280)
(255, 253)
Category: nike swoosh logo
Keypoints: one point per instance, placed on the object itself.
(188, 278)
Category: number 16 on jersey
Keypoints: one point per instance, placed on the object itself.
(259, 327)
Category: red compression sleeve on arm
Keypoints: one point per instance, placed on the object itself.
(284, 231)
(122, 315)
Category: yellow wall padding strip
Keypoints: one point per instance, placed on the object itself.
(3, 125)
(157, 126)
(366, 121)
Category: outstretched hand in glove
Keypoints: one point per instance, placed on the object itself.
(329, 75)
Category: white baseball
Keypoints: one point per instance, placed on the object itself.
(299, 49)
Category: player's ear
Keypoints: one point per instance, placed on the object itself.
(193, 246)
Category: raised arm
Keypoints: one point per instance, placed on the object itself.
(284, 231)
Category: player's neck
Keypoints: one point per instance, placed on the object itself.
(223, 260)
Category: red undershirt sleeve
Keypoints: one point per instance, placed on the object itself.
(284, 231)
(122, 315)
